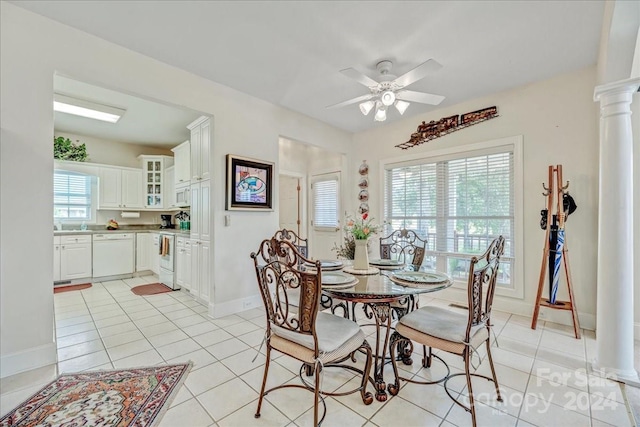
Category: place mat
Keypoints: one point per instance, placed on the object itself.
(368, 272)
(326, 265)
(419, 277)
(124, 397)
(415, 285)
(330, 278)
(386, 263)
(345, 286)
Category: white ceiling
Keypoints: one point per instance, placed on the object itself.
(290, 53)
(144, 122)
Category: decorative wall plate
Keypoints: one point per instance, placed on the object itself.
(364, 168)
(364, 182)
(363, 196)
(364, 208)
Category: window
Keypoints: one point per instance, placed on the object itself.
(460, 202)
(325, 202)
(72, 196)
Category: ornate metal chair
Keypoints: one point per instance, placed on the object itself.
(301, 245)
(453, 332)
(404, 245)
(314, 338)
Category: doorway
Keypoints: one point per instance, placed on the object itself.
(291, 210)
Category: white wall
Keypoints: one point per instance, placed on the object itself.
(307, 160)
(557, 119)
(115, 153)
(33, 48)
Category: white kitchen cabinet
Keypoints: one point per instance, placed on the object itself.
(183, 262)
(187, 265)
(182, 162)
(75, 257)
(154, 253)
(195, 269)
(200, 270)
(169, 188)
(201, 210)
(132, 189)
(200, 149)
(153, 171)
(195, 212)
(56, 258)
(204, 270)
(143, 251)
(120, 188)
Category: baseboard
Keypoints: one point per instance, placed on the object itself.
(521, 308)
(26, 360)
(234, 306)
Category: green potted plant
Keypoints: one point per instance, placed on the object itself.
(64, 149)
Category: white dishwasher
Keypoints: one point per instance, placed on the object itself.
(113, 254)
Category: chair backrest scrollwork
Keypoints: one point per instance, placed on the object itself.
(280, 275)
(483, 273)
(405, 245)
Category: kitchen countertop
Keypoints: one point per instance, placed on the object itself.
(175, 231)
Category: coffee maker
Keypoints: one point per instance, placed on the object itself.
(165, 221)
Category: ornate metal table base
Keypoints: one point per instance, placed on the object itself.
(381, 313)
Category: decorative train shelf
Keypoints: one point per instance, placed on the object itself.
(446, 125)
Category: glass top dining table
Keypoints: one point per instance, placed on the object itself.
(380, 297)
(380, 288)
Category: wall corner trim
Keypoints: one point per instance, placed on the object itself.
(26, 360)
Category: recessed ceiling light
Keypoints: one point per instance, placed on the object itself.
(83, 108)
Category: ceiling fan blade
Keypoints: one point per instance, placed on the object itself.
(351, 101)
(356, 75)
(420, 72)
(421, 97)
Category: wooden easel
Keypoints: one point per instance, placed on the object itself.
(554, 193)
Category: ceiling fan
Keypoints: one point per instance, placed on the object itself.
(390, 90)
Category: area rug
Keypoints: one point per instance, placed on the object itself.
(150, 289)
(130, 397)
(67, 288)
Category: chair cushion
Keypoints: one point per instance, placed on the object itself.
(332, 332)
(440, 323)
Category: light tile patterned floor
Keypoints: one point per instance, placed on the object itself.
(543, 373)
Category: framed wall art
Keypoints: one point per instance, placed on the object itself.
(249, 184)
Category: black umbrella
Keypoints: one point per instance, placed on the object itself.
(553, 243)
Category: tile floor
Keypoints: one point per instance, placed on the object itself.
(543, 373)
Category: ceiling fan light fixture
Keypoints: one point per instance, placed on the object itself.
(381, 114)
(366, 107)
(388, 98)
(401, 106)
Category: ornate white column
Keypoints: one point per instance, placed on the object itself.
(614, 326)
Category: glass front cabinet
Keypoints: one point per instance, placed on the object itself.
(153, 170)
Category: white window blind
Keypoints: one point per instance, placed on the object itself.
(71, 196)
(460, 204)
(325, 203)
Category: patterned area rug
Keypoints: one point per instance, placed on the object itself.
(131, 397)
(79, 287)
(151, 289)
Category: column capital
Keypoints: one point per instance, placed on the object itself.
(621, 86)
